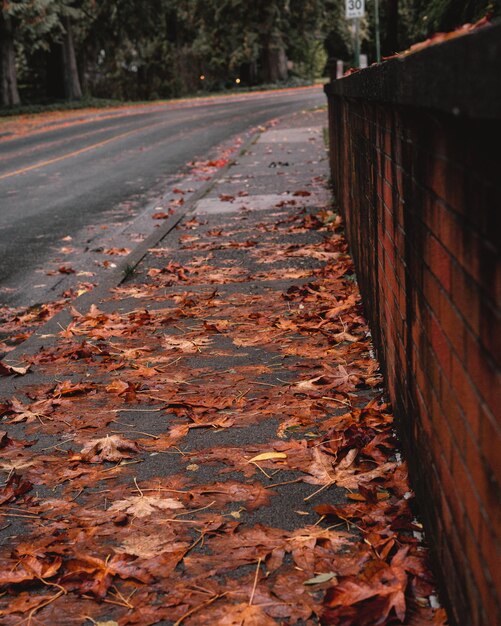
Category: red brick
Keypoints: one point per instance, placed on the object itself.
(466, 297)
(467, 396)
(438, 178)
(490, 442)
(388, 171)
(481, 587)
(400, 180)
(448, 183)
(387, 143)
(483, 374)
(487, 578)
(450, 230)
(453, 414)
(389, 224)
(453, 497)
(466, 490)
(400, 209)
(424, 415)
(440, 346)
(490, 332)
(452, 325)
(431, 290)
(487, 492)
(387, 195)
(490, 547)
(441, 274)
(430, 213)
(389, 249)
(442, 429)
(439, 261)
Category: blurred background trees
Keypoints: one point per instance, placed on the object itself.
(148, 49)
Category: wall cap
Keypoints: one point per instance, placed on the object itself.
(461, 77)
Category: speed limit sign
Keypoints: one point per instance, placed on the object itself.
(355, 8)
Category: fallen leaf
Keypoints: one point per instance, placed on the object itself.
(321, 578)
(15, 487)
(117, 251)
(143, 506)
(9, 370)
(110, 448)
(267, 456)
(245, 615)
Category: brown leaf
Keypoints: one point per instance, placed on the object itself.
(377, 592)
(29, 567)
(117, 251)
(143, 506)
(89, 574)
(161, 215)
(110, 448)
(148, 546)
(15, 487)
(10, 370)
(67, 388)
(19, 412)
(245, 615)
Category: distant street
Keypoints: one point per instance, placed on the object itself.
(54, 182)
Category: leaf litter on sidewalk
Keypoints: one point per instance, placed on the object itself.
(145, 466)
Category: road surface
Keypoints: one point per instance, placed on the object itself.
(56, 181)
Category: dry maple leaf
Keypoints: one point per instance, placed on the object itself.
(89, 574)
(20, 412)
(117, 251)
(110, 448)
(67, 388)
(28, 568)
(117, 386)
(143, 506)
(9, 370)
(150, 546)
(185, 345)
(15, 464)
(245, 615)
(4, 439)
(15, 487)
(380, 589)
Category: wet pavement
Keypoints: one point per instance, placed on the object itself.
(206, 441)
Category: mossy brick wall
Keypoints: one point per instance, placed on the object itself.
(416, 167)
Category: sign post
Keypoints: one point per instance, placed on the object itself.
(355, 9)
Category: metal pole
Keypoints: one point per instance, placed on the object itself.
(378, 34)
(357, 42)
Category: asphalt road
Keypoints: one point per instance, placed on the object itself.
(55, 182)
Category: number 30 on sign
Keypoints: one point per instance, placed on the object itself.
(355, 8)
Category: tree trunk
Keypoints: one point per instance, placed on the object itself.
(54, 73)
(9, 94)
(274, 63)
(72, 89)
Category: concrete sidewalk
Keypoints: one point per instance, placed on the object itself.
(207, 442)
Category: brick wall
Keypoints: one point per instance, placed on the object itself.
(418, 179)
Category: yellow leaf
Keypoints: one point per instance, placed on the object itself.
(267, 456)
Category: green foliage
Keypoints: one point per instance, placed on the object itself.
(149, 49)
(420, 19)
